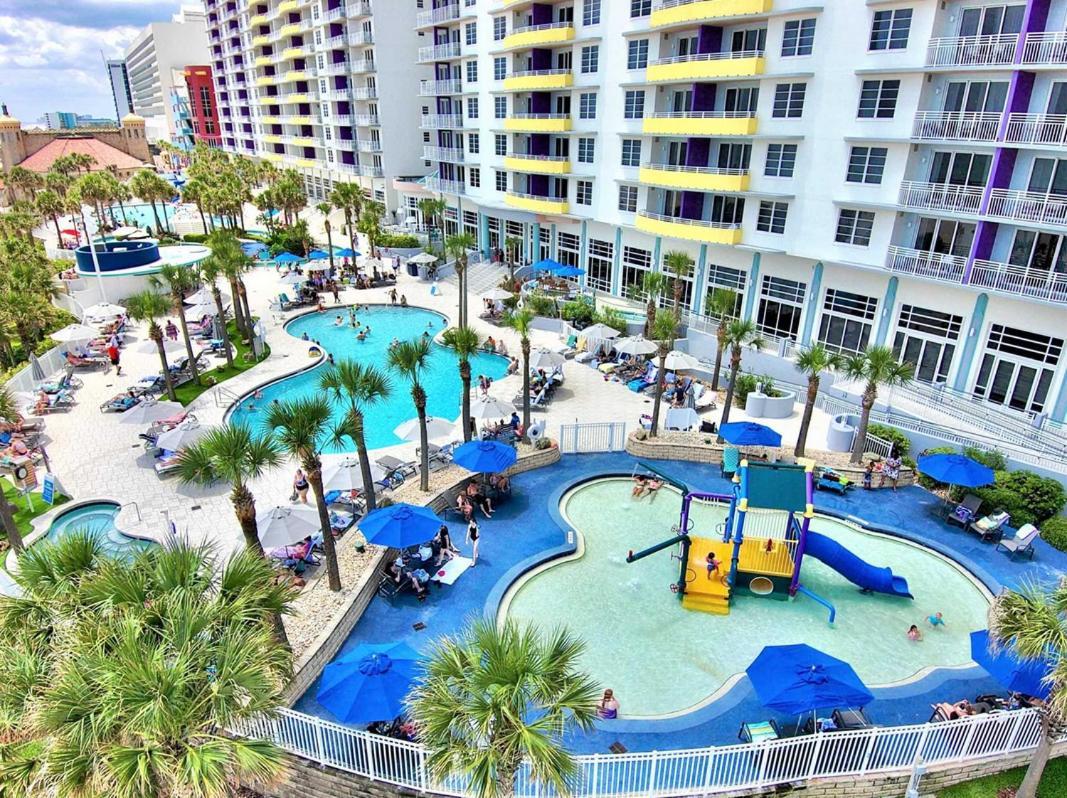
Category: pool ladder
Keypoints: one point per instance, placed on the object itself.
(134, 505)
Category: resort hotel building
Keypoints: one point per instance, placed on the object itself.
(857, 173)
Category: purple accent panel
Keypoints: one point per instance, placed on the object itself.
(337, 56)
(704, 96)
(541, 59)
(336, 29)
(343, 108)
(330, 5)
(1003, 165)
(692, 204)
(1019, 92)
(709, 40)
(1036, 16)
(540, 102)
(984, 237)
(441, 72)
(348, 157)
(697, 152)
(537, 185)
(542, 14)
(342, 82)
(539, 144)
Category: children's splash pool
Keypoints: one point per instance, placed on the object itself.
(440, 379)
(661, 659)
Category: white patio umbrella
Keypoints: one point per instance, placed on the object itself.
(635, 345)
(148, 411)
(283, 526)
(205, 295)
(677, 361)
(75, 332)
(344, 474)
(497, 294)
(125, 232)
(546, 359)
(149, 348)
(436, 427)
(185, 434)
(490, 408)
(601, 332)
(424, 257)
(370, 264)
(103, 310)
(292, 278)
(35, 367)
(201, 309)
(317, 266)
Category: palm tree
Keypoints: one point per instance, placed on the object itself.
(179, 281)
(877, 366)
(51, 205)
(520, 322)
(82, 160)
(431, 209)
(145, 184)
(349, 198)
(300, 427)
(721, 306)
(324, 208)
(494, 697)
(512, 246)
(159, 655)
(680, 266)
(150, 306)
(226, 254)
(194, 191)
(1031, 624)
(20, 179)
(359, 386)
(370, 224)
(813, 362)
(9, 410)
(653, 286)
(739, 334)
(456, 246)
(410, 358)
(664, 329)
(465, 341)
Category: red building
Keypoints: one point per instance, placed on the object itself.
(202, 106)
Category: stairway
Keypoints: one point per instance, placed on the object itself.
(481, 277)
(703, 594)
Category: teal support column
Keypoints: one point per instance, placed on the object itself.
(583, 254)
(616, 260)
(886, 319)
(753, 288)
(535, 242)
(1059, 410)
(970, 344)
(552, 242)
(699, 294)
(656, 252)
(813, 303)
(483, 234)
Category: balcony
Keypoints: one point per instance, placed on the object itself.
(1020, 281)
(363, 65)
(261, 39)
(336, 94)
(539, 35)
(366, 120)
(438, 15)
(930, 265)
(293, 76)
(538, 123)
(334, 14)
(700, 123)
(536, 204)
(449, 154)
(1045, 48)
(693, 178)
(333, 68)
(1037, 129)
(263, 60)
(538, 164)
(1028, 207)
(360, 8)
(940, 197)
(340, 40)
(339, 119)
(690, 12)
(365, 93)
(434, 183)
(361, 37)
(268, 80)
(706, 232)
(292, 29)
(370, 171)
(539, 80)
(441, 121)
(955, 126)
(706, 66)
(289, 53)
(434, 88)
(971, 51)
(258, 19)
(439, 52)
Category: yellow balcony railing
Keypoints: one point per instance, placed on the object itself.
(710, 66)
(685, 12)
(538, 164)
(540, 80)
(698, 123)
(270, 120)
(271, 139)
(536, 204)
(292, 29)
(287, 5)
(693, 178)
(258, 19)
(293, 52)
(264, 60)
(688, 229)
(271, 156)
(538, 123)
(306, 163)
(289, 77)
(261, 39)
(539, 35)
(267, 80)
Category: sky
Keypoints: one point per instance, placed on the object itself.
(50, 51)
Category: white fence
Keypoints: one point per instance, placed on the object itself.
(609, 436)
(51, 362)
(703, 771)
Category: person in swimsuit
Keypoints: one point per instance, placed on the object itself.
(608, 706)
(479, 499)
(473, 534)
(936, 620)
(712, 563)
(914, 634)
(300, 486)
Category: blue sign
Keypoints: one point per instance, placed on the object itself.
(48, 489)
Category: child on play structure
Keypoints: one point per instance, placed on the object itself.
(713, 563)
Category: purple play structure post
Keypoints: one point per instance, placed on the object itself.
(809, 491)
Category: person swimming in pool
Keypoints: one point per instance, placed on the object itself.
(936, 620)
(914, 635)
(338, 321)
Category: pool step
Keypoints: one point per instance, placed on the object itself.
(703, 594)
(717, 605)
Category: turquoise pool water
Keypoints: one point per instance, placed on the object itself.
(141, 215)
(441, 378)
(99, 520)
(661, 659)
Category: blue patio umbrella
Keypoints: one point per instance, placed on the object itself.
(253, 248)
(798, 678)
(318, 254)
(369, 683)
(956, 469)
(347, 252)
(399, 526)
(1017, 675)
(485, 457)
(569, 271)
(749, 433)
(548, 265)
(288, 257)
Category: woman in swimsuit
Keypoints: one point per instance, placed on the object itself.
(300, 485)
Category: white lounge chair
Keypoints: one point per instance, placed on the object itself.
(1022, 542)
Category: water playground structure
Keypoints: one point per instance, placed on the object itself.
(764, 556)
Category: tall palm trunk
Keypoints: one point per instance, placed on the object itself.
(155, 215)
(313, 468)
(364, 459)
(420, 408)
(1028, 789)
(7, 518)
(244, 302)
(525, 388)
(203, 219)
(244, 507)
(156, 334)
(735, 366)
(329, 242)
(238, 311)
(654, 430)
(179, 299)
(122, 210)
(650, 316)
(805, 419)
(465, 403)
(217, 294)
(870, 394)
(720, 337)
(351, 234)
(59, 234)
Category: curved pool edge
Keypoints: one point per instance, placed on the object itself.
(733, 690)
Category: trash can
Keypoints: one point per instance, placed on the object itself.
(413, 269)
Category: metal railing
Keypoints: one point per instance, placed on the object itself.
(539, 116)
(1028, 206)
(436, 51)
(955, 126)
(702, 115)
(538, 73)
(700, 170)
(452, 154)
(878, 446)
(365, 93)
(1020, 280)
(546, 26)
(440, 14)
(1037, 128)
(431, 88)
(434, 183)
(691, 222)
(364, 65)
(528, 156)
(1045, 47)
(972, 50)
(940, 196)
(608, 436)
(441, 121)
(658, 774)
(933, 265)
(697, 57)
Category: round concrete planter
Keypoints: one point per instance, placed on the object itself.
(759, 405)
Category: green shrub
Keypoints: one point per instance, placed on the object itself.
(542, 305)
(901, 442)
(743, 386)
(929, 482)
(612, 317)
(577, 311)
(995, 460)
(1028, 497)
(1054, 532)
(399, 241)
(194, 238)
(766, 387)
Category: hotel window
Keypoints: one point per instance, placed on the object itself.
(798, 37)
(890, 29)
(846, 321)
(598, 268)
(741, 101)
(1038, 252)
(771, 218)
(1017, 368)
(927, 339)
(781, 305)
(587, 106)
(789, 100)
(725, 279)
(500, 107)
(471, 33)
(878, 99)
(628, 199)
(500, 28)
(500, 144)
(584, 193)
(586, 150)
(472, 108)
(640, 8)
(472, 71)
(473, 143)
(635, 104)
(569, 248)
(637, 54)
(866, 165)
(636, 263)
(854, 227)
(590, 59)
(475, 177)
(631, 152)
(501, 180)
(591, 12)
(781, 158)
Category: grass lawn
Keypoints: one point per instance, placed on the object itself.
(23, 513)
(1053, 783)
(209, 379)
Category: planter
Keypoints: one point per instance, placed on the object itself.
(839, 436)
(756, 404)
(759, 405)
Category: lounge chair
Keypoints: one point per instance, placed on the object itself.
(990, 527)
(90, 362)
(168, 463)
(828, 479)
(341, 521)
(758, 732)
(966, 511)
(120, 403)
(1022, 542)
(146, 386)
(397, 467)
(57, 403)
(704, 398)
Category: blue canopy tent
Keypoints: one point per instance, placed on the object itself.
(399, 526)
(956, 469)
(318, 254)
(369, 683)
(569, 271)
(485, 457)
(749, 433)
(1014, 674)
(548, 265)
(288, 257)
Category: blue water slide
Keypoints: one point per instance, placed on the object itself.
(855, 570)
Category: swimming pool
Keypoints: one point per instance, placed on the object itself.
(141, 215)
(98, 519)
(661, 659)
(441, 378)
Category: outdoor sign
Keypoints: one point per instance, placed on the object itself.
(48, 489)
